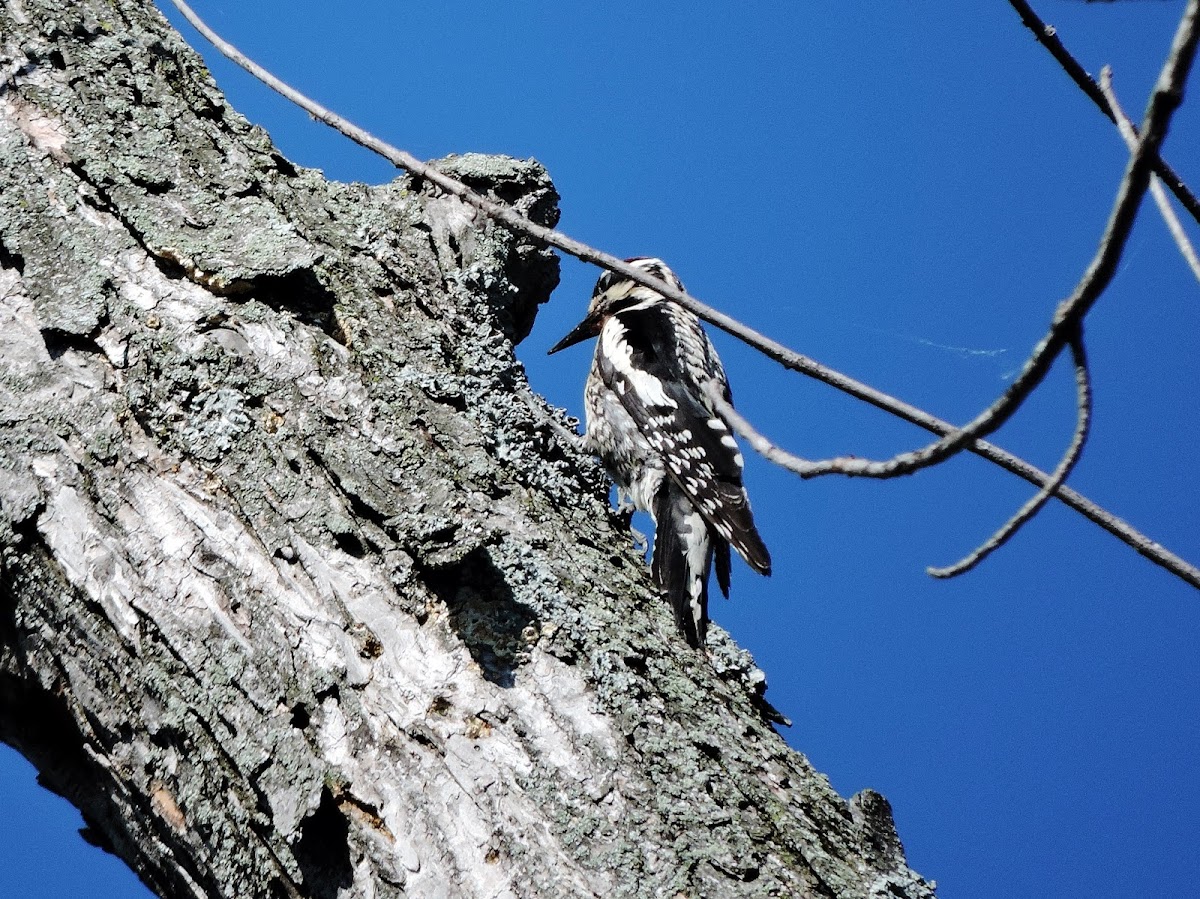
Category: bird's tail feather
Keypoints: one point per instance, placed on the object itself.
(736, 523)
(683, 552)
(721, 563)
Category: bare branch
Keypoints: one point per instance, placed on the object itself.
(1083, 401)
(786, 357)
(1047, 36)
(1164, 100)
(1125, 126)
(1047, 484)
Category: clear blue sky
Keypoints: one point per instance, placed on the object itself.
(902, 191)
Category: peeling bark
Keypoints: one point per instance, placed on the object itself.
(304, 593)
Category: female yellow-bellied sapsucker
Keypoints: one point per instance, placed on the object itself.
(651, 422)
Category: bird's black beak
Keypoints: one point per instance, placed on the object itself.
(589, 327)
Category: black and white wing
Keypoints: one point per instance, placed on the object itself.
(656, 358)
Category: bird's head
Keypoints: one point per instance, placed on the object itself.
(614, 293)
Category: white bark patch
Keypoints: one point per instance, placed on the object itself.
(43, 132)
(490, 739)
(90, 561)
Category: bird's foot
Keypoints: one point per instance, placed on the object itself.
(624, 511)
(640, 541)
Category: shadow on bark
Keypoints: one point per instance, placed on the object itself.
(323, 851)
(496, 628)
(301, 294)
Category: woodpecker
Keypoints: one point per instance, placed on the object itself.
(652, 423)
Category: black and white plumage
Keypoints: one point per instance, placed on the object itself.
(651, 422)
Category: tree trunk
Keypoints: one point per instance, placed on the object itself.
(304, 593)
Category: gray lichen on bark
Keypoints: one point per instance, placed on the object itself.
(304, 591)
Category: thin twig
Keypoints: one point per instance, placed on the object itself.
(1125, 126)
(1094, 513)
(1164, 100)
(786, 357)
(1083, 420)
(1047, 36)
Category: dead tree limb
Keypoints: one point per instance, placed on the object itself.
(302, 594)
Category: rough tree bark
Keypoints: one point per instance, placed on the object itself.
(304, 593)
